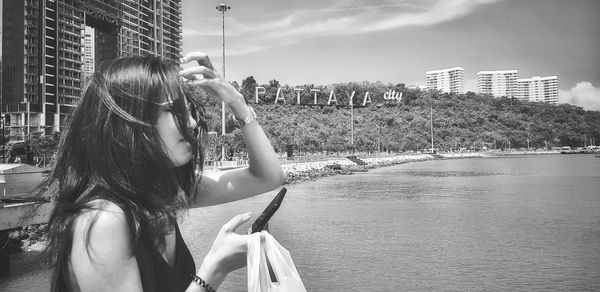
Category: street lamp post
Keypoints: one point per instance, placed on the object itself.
(223, 7)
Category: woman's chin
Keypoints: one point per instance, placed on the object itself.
(181, 161)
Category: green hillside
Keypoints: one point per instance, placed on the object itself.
(468, 121)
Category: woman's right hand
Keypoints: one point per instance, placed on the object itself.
(206, 76)
(227, 253)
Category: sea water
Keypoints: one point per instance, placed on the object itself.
(527, 223)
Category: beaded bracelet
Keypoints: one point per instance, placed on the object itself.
(202, 283)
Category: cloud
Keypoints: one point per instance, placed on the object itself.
(334, 19)
(371, 18)
(439, 12)
(584, 94)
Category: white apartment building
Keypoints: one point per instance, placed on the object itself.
(538, 89)
(451, 80)
(89, 57)
(498, 83)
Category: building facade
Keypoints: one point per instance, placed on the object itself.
(44, 51)
(538, 89)
(89, 56)
(450, 80)
(498, 83)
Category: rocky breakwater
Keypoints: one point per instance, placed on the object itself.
(303, 171)
(397, 159)
(405, 158)
(460, 155)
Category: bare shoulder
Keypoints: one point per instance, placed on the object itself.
(102, 250)
(105, 220)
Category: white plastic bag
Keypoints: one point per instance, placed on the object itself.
(262, 247)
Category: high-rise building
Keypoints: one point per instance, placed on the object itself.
(451, 80)
(538, 89)
(43, 51)
(498, 83)
(89, 58)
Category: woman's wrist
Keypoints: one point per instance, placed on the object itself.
(202, 284)
(236, 99)
(210, 273)
(239, 108)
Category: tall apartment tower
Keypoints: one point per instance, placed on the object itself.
(44, 51)
(450, 80)
(538, 89)
(498, 83)
(89, 56)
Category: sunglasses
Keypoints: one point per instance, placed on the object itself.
(193, 109)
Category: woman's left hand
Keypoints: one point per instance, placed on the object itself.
(206, 76)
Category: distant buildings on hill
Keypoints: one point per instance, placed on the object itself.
(496, 83)
(536, 88)
(451, 80)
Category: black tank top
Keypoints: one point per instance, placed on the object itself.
(157, 275)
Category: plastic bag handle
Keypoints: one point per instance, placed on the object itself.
(275, 253)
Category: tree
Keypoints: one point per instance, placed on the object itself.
(44, 146)
(459, 120)
(248, 88)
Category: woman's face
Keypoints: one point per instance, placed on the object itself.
(177, 148)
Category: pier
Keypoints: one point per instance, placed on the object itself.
(18, 208)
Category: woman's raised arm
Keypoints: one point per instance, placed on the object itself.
(264, 172)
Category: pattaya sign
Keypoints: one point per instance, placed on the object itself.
(388, 96)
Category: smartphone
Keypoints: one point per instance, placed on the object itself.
(264, 217)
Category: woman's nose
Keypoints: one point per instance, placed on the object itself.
(192, 124)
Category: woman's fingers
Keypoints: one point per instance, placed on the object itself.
(198, 72)
(200, 57)
(235, 222)
(205, 76)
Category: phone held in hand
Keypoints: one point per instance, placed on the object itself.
(266, 215)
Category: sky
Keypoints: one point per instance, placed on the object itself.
(396, 41)
(336, 41)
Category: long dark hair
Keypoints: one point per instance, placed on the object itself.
(112, 151)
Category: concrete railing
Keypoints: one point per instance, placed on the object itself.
(229, 164)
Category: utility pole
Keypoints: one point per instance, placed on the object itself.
(352, 125)
(378, 139)
(431, 122)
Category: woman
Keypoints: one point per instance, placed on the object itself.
(129, 162)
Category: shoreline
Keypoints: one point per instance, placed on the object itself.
(297, 172)
(33, 237)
